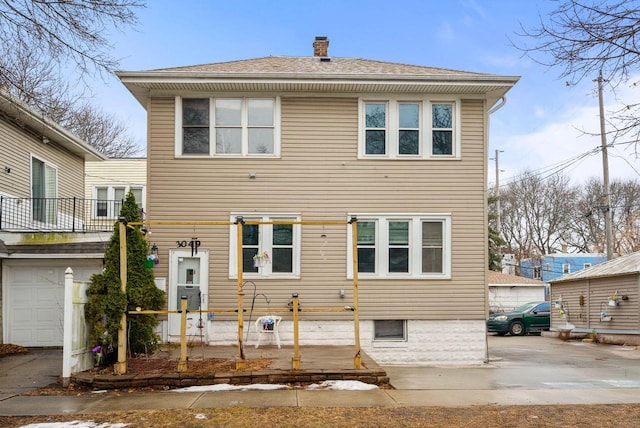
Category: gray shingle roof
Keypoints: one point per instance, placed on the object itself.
(316, 65)
(624, 265)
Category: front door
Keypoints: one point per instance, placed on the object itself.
(188, 275)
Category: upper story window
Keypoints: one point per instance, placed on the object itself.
(227, 127)
(396, 246)
(537, 272)
(109, 199)
(566, 268)
(586, 265)
(409, 129)
(279, 241)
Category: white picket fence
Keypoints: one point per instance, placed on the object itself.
(77, 355)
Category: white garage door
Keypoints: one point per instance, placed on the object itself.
(35, 299)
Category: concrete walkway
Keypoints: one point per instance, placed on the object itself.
(521, 371)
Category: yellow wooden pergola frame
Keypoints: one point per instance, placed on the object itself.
(121, 365)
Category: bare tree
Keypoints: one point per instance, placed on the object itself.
(586, 38)
(535, 213)
(101, 130)
(42, 39)
(67, 32)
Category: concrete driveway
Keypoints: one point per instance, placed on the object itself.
(532, 363)
(25, 372)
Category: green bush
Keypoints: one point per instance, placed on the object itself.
(106, 301)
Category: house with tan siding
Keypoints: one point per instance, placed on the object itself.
(112, 180)
(401, 149)
(601, 299)
(43, 227)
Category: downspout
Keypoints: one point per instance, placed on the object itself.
(495, 108)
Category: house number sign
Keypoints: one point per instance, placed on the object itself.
(194, 244)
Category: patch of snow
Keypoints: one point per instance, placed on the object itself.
(74, 424)
(227, 387)
(343, 385)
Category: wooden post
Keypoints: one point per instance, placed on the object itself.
(357, 361)
(121, 366)
(295, 361)
(182, 364)
(241, 362)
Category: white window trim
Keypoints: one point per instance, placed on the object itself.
(265, 245)
(46, 164)
(567, 267)
(415, 247)
(392, 127)
(212, 129)
(111, 197)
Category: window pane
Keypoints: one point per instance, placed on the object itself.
(409, 116)
(442, 142)
(261, 140)
(282, 234)
(195, 111)
(101, 193)
(376, 115)
(366, 232)
(282, 260)
(137, 194)
(409, 144)
(260, 112)
(195, 141)
(431, 234)
(118, 193)
(228, 112)
(375, 143)
(442, 115)
(399, 232)
(388, 329)
(398, 259)
(367, 259)
(228, 140)
(247, 259)
(250, 234)
(432, 260)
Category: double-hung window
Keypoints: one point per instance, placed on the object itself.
(109, 199)
(227, 127)
(402, 246)
(409, 129)
(270, 246)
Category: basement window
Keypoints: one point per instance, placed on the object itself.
(390, 330)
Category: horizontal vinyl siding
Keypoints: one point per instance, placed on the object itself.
(114, 172)
(625, 316)
(17, 146)
(319, 177)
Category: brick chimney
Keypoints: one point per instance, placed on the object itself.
(321, 46)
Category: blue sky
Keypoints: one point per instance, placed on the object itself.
(537, 128)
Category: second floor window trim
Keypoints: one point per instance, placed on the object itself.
(227, 127)
(405, 128)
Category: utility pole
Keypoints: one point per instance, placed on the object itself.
(497, 192)
(605, 175)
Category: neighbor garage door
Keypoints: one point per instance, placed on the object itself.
(35, 296)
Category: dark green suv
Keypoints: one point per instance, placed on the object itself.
(530, 317)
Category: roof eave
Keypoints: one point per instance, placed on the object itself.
(140, 84)
(48, 128)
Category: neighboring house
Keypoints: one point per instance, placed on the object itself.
(604, 298)
(401, 147)
(552, 266)
(43, 228)
(507, 292)
(111, 180)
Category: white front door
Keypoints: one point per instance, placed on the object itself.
(188, 278)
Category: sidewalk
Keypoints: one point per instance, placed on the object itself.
(522, 371)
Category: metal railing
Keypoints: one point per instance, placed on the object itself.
(58, 214)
